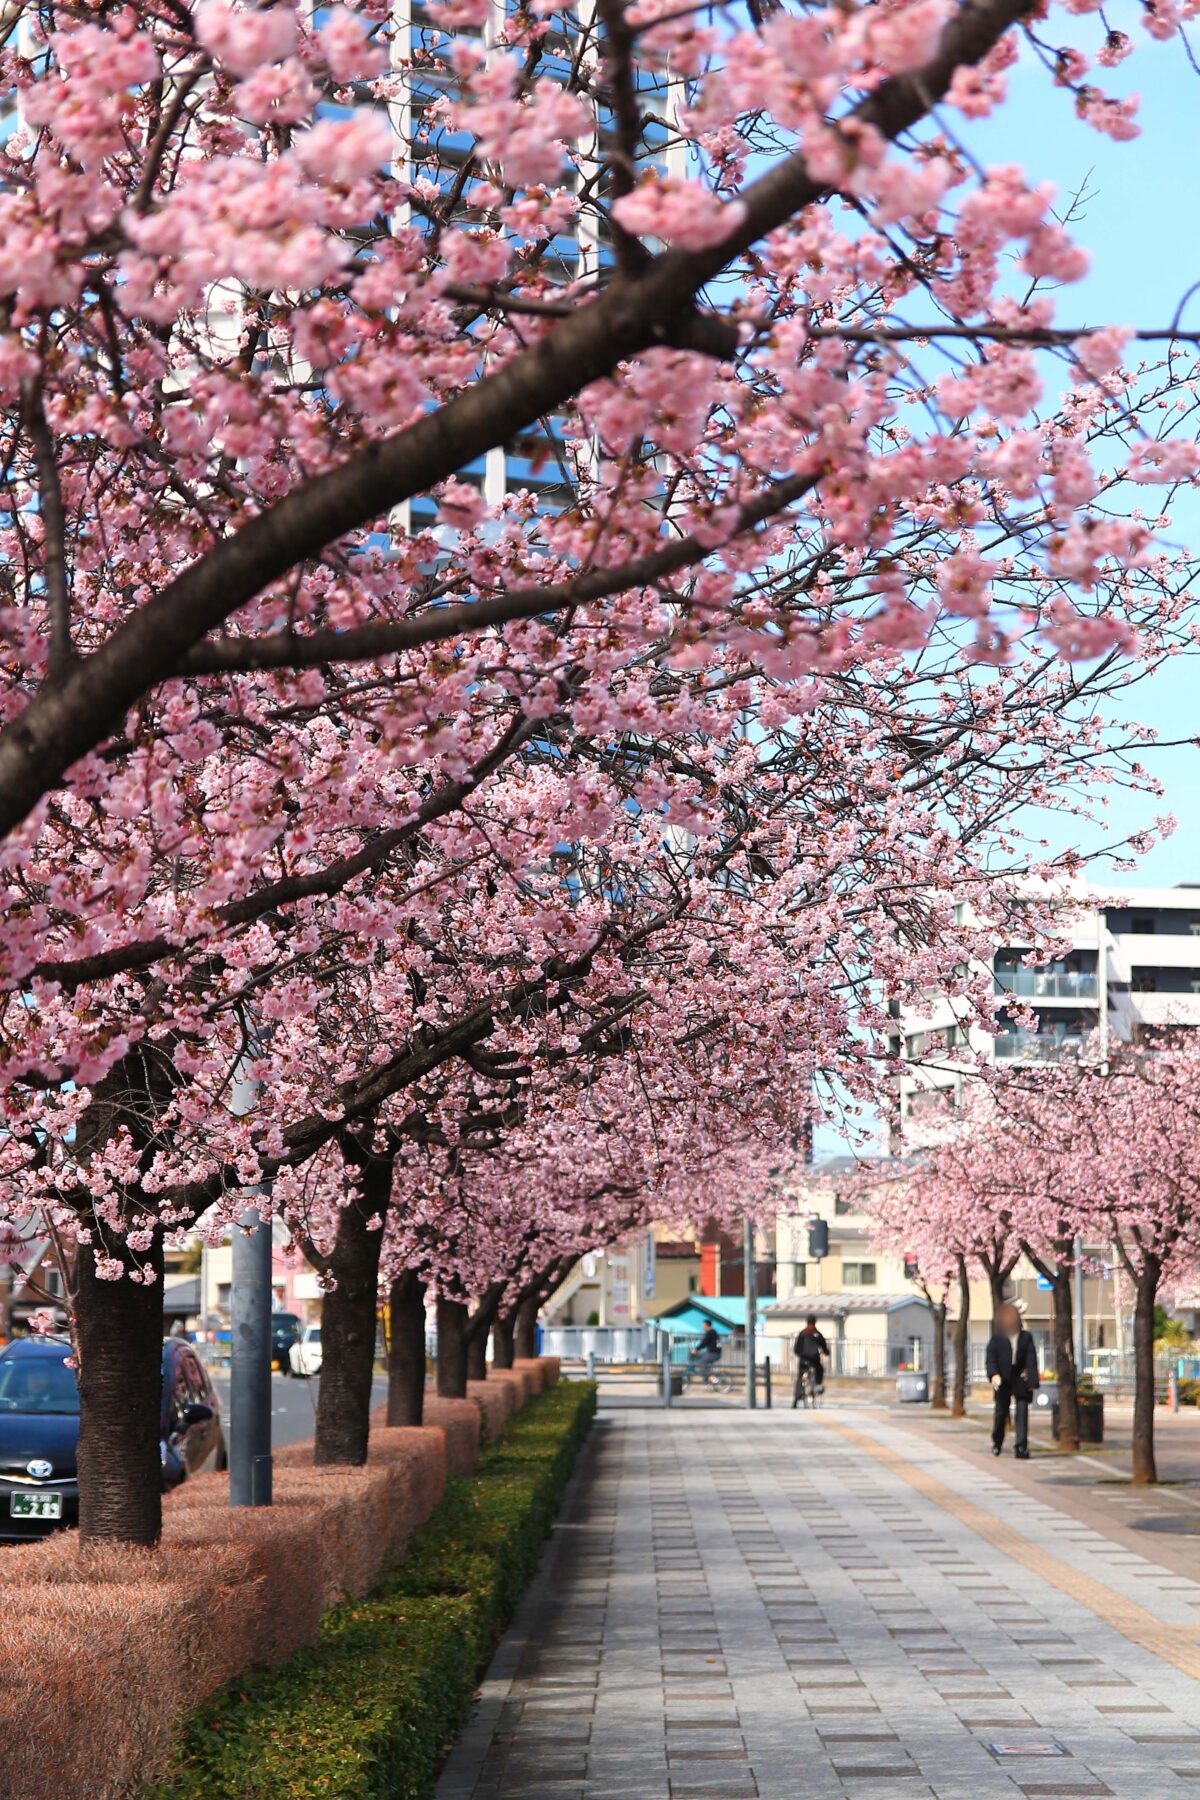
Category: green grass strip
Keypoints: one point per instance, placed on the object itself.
(370, 1710)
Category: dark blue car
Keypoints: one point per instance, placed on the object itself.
(39, 1431)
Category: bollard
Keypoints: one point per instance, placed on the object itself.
(591, 1365)
(666, 1376)
(767, 1382)
(1173, 1390)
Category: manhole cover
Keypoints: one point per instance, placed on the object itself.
(1044, 1748)
(1177, 1526)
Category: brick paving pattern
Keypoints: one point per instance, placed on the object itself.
(824, 1607)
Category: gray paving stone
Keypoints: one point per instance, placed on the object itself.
(748, 1607)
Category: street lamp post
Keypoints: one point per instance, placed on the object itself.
(749, 1282)
(250, 1364)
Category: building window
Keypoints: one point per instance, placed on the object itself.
(693, 1283)
(861, 1274)
(799, 1275)
(1143, 927)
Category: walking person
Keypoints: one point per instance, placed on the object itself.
(1012, 1369)
(809, 1350)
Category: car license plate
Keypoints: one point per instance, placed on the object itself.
(35, 1506)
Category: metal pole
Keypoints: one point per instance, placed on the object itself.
(250, 1367)
(1080, 1328)
(591, 1365)
(749, 1282)
(666, 1371)
(767, 1382)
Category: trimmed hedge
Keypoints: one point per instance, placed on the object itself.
(372, 1707)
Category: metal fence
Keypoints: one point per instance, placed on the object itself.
(607, 1343)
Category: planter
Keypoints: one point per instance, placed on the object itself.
(1091, 1419)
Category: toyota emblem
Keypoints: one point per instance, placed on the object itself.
(39, 1468)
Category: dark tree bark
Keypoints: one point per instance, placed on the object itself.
(479, 1327)
(962, 1352)
(1067, 1382)
(119, 1333)
(1145, 1471)
(503, 1335)
(119, 1324)
(451, 1349)
(525, 1328)
(938, 1398)
(477, 1356)
(997, 1282)
(406, 1350)
(348, 1322)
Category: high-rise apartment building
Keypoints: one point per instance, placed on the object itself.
(1132, 969)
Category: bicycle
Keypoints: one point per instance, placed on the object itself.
(710, 1375)
(808, 1392)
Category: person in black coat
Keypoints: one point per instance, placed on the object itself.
(1012, 1370)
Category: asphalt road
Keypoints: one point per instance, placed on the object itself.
(293, 1404)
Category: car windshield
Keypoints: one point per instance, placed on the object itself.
(37, 1384)
(314, 1334)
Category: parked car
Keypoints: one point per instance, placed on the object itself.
(306, 1355)
(285, 1331)
(39, 1431)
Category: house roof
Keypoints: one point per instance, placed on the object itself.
(726, 1311)
(182, 1295)
(852, 1300)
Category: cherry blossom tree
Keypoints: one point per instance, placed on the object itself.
(998, 1161)
(404, 816)
(1103, 1149)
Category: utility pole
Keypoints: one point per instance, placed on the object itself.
(750, 1284)
(250, 1366)
(1080, 1328)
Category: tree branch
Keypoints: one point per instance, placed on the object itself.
(654, 306)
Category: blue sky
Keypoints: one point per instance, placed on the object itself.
(1142, 228)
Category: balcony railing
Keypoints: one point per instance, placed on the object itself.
(1034, 1046)
(1044, 984)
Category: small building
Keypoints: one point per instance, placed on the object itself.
(868, 1334)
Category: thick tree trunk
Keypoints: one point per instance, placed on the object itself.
(120, 1339)
(406, 1350)
(997, 1284)
(477, 1356)
(962, 1349)
(525, 1328)
(479, 1327)
(1144, 1469)
(1064, 1359)
(349, 1316)
(938, 1399)
(451, 1349)
(503, 1335)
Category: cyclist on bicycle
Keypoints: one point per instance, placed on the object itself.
(809, 1349)
(708, 1352)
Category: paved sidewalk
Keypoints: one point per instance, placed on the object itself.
(797, 1607)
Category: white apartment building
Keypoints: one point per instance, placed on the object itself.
(1132, 969)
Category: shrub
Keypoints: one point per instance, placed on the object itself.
(371, 1708)
(496, 1401)
(460, 1421)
